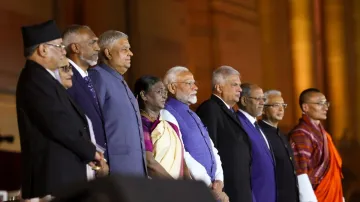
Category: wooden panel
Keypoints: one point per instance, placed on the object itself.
(199, 46)
(158, 37)
(237, 10)
(12, 17)
(237, 40)
(8, 122)
(247, 4)
(38, 9)
(276, 55)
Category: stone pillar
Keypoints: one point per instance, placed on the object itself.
(301, 47)
(336, 75)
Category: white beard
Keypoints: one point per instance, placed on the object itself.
(89, 62)
(192, 99)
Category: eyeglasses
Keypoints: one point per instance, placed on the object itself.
(162, 92)
(189, 83)
(277, 105)
(66, 69)
(258, 98)
(61, 46)
(324, 104)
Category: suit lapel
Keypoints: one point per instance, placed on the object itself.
(247, 123)
(226, 110)
(253, 130)
(62, 92)
(79, 79)
(59, 88)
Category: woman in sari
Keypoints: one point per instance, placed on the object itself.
(163, 144)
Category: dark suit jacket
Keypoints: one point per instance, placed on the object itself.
(82, 96)
(54, 135)
(287, 186)
(233, 145)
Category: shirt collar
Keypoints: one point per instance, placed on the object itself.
(111, 70)
(248, 116)
(223, 101)
(51, 72)
(81, 71)
(268, 123)
(177, 104)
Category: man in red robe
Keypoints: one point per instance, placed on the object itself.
(315, 154)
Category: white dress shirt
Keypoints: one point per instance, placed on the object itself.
(228, 106)
(81, 71)
(197, 171)
(90, 173)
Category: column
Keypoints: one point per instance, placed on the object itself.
(301, 47)
(336, 69)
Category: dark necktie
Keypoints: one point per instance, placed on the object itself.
(257, 127)
(91, 88)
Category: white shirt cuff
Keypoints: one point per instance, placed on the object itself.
(306, 192)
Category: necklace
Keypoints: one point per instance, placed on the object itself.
(147, 115)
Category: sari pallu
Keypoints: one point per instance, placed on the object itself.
(167, 147)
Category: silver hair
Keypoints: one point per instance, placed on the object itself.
(171, 74)
(70, 35)
(271, 92)
(107, 40)
(220, 74)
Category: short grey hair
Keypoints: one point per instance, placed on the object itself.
(29, 51)
(171, 74)
(271, 92)
(107, 40)
(246, 89)
(220, 74)
(70, 35)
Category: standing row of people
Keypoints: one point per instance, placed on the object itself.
(78, 119)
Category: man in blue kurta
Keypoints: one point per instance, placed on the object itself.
(123, 126)
(263, 164)
(201, 156)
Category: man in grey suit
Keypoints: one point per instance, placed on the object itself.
(126, 151)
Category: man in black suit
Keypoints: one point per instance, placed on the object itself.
(286, 179)
(227, 133)
(54, 135)
(82, 50)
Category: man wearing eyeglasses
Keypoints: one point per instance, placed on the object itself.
(54, 135)
(201, 156)
(286, 180)
(263, 181)
(318, 162)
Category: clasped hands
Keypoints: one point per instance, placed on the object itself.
(99, 165)
(216, 189)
